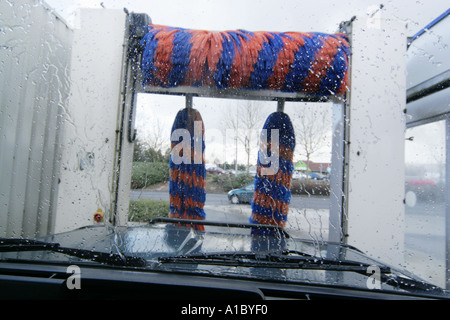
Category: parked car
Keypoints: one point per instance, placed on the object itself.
(244, 194)
(216, 170)
(315, 176)
(423, 188)
(298, 175)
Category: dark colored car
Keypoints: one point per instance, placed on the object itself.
(244, 194)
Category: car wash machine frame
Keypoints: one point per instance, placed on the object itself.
(368, 123)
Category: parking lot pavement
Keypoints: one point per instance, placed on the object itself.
(307, 218)
(306, 223)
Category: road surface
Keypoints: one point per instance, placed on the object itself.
(215, 199)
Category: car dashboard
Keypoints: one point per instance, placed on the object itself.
(54, 282)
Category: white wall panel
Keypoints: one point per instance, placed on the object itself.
(91, 122)
(376, 135)
(34, 63)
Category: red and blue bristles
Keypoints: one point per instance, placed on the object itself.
(272, 194)
(187, 170)
(311, 63)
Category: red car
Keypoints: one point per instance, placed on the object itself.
(216, 170)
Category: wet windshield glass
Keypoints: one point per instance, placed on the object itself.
(274, 141)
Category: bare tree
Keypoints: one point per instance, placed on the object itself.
(312, 127)
(245, 121)
(156, 136)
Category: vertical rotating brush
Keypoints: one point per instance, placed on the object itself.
(273, 177)
(187, 167)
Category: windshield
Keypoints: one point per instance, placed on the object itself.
(281, 141)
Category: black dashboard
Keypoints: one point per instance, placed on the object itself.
(19, 281)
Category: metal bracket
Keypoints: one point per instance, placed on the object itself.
(137, 27)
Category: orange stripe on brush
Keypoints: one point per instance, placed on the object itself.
(345, 81)
(214, 53)
(285, 59)
(190, 180)
(243, 62)
(286, 153)
(163, 54)
(322, 62)
(175, 201)
(198, 55)
(267, 220)
(191, 203)
(283, 152)
(343, 39)
(279, 177)
(267, 202)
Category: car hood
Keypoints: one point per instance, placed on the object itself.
(155, 241)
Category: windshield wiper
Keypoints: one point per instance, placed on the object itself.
(281, 260)
(289, 259)
(15, 245)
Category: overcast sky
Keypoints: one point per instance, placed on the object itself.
(252, 15)
(269, 15)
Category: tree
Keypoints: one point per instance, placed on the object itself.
(245, 121)
(152, 143)
(138, 151)
(312, 127)
(155, 137)
(143, 152)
